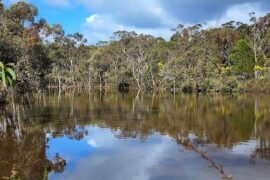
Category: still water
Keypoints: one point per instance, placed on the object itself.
(135, 136)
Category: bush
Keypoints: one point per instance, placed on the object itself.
(242, 58)
(188, 86)
(262, 85)
(224, 84)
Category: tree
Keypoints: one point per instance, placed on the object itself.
(101, 65)
(72, 44)
(194, 56)
(242, 58)
(259, 38)
(157, 57)
(173, 71)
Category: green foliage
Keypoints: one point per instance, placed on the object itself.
(230, 83)
(7, 74)
(195, 58)
(242, 58)
(260, 85)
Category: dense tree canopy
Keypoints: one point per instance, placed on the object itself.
(242, 58)
(196, 58)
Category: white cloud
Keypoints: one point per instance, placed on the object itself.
(101, 27)
(123, 159)
(157, 17)
(92, 18)
(154, 16)
(142, 16)
(99, 138)
(92, 143)
(238, 12)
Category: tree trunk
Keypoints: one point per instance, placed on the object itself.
(174, 85)
(72, 72)
(59, 82)
(137, 79)
(256, 60)
(89, 80)
(101, 81)
(153, 81)
(255, 54)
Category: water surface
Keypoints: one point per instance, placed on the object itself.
(72, 135)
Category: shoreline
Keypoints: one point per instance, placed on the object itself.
(163, 90)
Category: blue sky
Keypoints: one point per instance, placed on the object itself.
(98, 19)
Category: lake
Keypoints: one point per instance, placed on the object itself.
(135, 136)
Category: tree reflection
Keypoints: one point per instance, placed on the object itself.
(220, 120)
(23, 148)
(194, 145)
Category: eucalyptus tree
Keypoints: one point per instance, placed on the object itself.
(186, 54)
(21, 44)
(157, 57)
(100, 62)
(34, 66)
(88, 68)
(71, 46)
(133, 48)
(259, 38)
(172, 73)
(194, 57)
(118, 66)
(137, 58)
(56, 53)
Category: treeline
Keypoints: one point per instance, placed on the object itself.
(232, 57)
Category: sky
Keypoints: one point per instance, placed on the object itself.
(98, 19)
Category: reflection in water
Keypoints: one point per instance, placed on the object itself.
(59, 135)
(23, 147)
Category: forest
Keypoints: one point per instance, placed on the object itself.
(35, 55)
